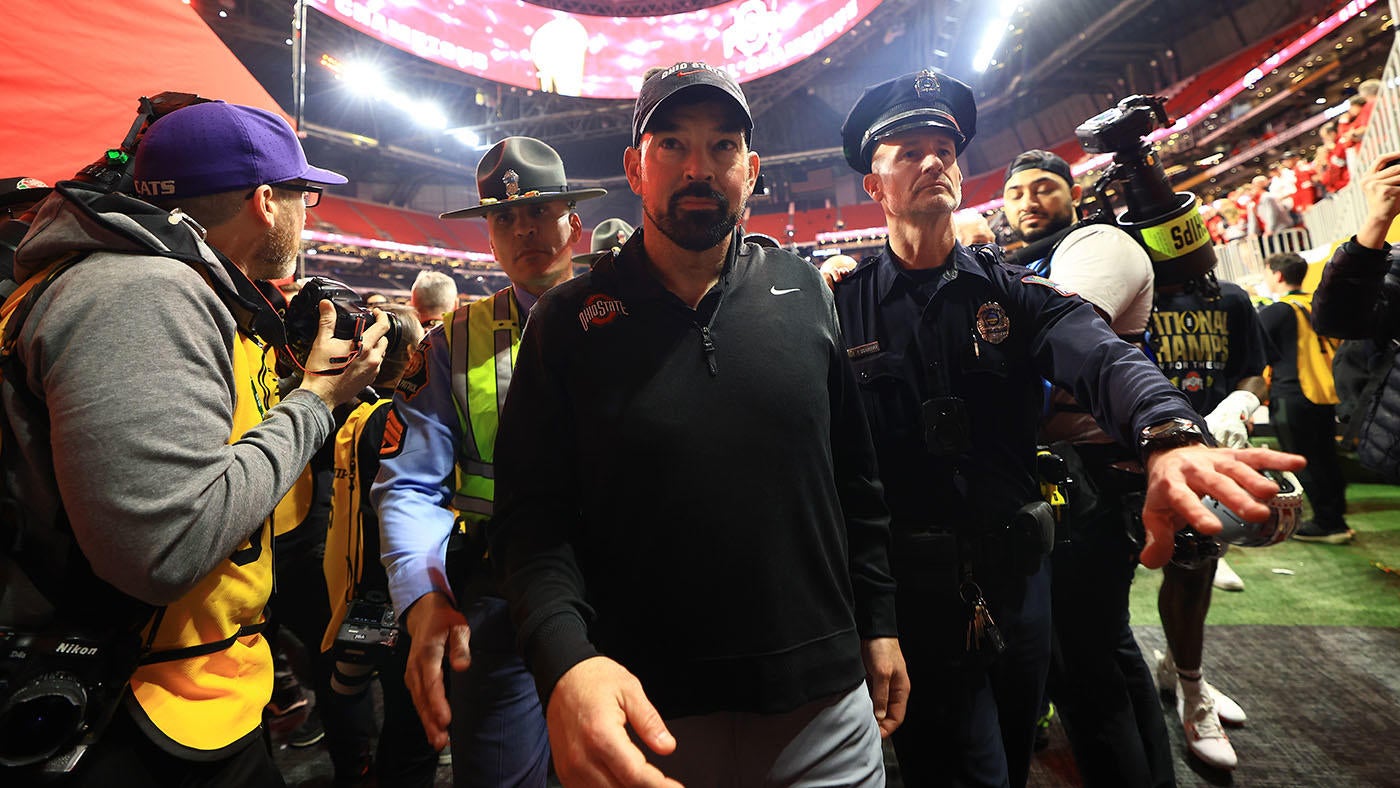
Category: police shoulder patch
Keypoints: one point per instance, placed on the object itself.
(392, 444)
(415, 374)
(1043, 282)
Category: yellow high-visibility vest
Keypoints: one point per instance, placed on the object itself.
(482, 339)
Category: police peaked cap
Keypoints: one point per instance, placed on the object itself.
(921, 99)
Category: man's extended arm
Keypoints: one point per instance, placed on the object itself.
(591, 700)
(1126, 392)
(411, 496)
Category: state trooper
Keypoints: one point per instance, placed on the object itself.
(436, 485)
(950, 346)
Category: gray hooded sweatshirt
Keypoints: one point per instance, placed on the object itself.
(129, 358)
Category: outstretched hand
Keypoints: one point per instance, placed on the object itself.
(1177, 478)
(589, 711)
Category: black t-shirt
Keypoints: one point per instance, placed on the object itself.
(1206, 347)
(1280, 322)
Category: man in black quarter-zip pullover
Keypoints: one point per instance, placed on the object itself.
(688, 514)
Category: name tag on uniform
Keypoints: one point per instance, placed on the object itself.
(861, 351)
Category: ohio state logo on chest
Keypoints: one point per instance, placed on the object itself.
(600, 309)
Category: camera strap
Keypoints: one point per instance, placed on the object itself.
(202, 649)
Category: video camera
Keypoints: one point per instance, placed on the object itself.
(1167, 224)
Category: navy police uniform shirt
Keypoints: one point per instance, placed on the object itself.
(986, 333)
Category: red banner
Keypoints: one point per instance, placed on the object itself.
(593, 56)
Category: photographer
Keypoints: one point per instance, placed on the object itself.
(146, 418)
(1099, 681)
(1359, 296)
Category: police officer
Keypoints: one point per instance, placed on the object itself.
(608, 236)
(950, 346)
(439, 451)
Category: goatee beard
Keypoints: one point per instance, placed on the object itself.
(1053, 227)
(698, 231)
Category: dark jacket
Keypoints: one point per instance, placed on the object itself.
(692, 492)
(1359, 295)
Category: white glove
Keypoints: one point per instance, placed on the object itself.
(1229, 422)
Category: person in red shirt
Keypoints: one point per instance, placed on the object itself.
(1333, 157)
(1304, 175)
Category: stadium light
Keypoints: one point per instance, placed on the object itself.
(363, 79)
(996, 30)
(465, 136)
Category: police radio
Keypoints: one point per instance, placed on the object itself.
(1166, 223)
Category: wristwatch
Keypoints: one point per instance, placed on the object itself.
(1170, 434)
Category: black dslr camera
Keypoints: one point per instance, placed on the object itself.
(370, 632)
(1164, 222)
(352, 317)
(58, 690)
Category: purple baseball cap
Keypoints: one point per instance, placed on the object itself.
(218, 147)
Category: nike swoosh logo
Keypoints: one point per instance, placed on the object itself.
(776, 291)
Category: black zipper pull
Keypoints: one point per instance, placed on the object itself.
(707, 343)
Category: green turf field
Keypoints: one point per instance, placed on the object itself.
(1330, 585)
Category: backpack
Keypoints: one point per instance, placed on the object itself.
(1316, 354)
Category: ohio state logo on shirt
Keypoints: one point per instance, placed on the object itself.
(600, 309)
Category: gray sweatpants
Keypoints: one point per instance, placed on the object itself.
(831, 742)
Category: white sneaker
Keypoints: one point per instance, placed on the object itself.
(1205, 737)
(1229, 711)
(1226, 579)
(1166, 673)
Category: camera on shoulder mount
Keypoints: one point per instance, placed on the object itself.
(1166, 223)
(370, 632)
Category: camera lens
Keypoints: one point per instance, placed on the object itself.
(40, 718)
(395, 334)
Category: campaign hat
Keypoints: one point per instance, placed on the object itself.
(520, 171)
(610, 234)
